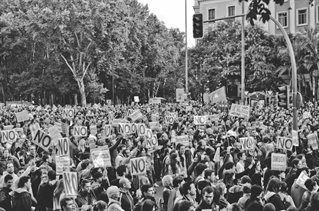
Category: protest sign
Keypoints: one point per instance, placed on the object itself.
(19, 132)
(180, 95)
(154, 125)
(136, 99)
(138, 166)
(63, 147)
(93, 130)
(200, 120)
(136, 115)
(70, 182)
(62, 164)
(68, 113)
(42, 139)
(119, 121)
(22, 116)
(141, 129)
(295, 138)
(247, 143)
(9, 136)
(151, 140)
(278, 162)
(234, 110)
(284, 143)
(218, 95)
(80, 131)
(241, 111)
(184, 140)
(54, 133)
(8, 127)
(65, 128)
(34, 129)
(155, 117)
(154, 101)
(244, 112)
(127, 128)
(101, 157)
(313, 141)
(306, 115)
(108, 131)
(302, 179)
(59, 126)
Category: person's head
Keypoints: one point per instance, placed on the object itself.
(24, 182)
(254, 206)
(199, 169)
(245, 179)
(32, 150)
(148, 190)
(256, 190)
(8, 181)
(314, 202)
(20, 171)
(6, 153)
(221, 188)
(296, 163)
(121, 170)
(167, 181)
(86, 185)
(208, 195)
(148, 205)
(98, 176)
(241, 156)
(10, 167)
(180, 148)
(177, 181)
(51, 175)
(209, 175)
(188, 188)
(100, 206)
(311, 185)
(113, 192)
(233, 207)
(269, 207)
(274, 185)
(67, 204)
(186, 206)
(125, 183)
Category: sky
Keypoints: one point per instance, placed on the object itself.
(172, 13)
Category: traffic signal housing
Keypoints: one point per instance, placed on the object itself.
(283, 96)
(198, 25)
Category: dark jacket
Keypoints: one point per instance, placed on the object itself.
(275, 199)
(139, 205)
(45, 196)
(21, 200)
(203, 205)
(5, 199)
(127, 201)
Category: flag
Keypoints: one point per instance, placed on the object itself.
(218, 95)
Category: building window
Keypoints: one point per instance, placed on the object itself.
(211, 14)
(283, 18)
(231, 11)
(302, 15)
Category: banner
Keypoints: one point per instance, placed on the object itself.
(154, 101)
(200, 120)
(278, 162)
(180, 95)
(70, 182)
(127, 128)
(62, 164)
(295, 138)
(136, 115)
(42, 140)
(54, 133)
(9, 136)
(184, 140)
(101, 157)
(138, 166)
(313, 141)
(63, 147)
(284, 143)
(80, 131)
(247, 143)
(22, 116)
(68, 113)
(218, 96)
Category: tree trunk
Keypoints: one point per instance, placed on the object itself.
(82, 91)
(76, 99)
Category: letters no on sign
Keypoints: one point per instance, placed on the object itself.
(138, 166)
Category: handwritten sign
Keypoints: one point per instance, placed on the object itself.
(247, 143)
(101, 157)
(63, 147)
(138, 166)
(284, 143)
(9, 136)
(68, 113)
(22, 116)
(80, 131)
(200, 120)
(62, 164)
(70, 182)
(313, 140)
(136, 115)
(42, 139)
(184, 140)
(241, 111)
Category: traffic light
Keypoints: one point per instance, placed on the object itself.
(198, 26)
(283, 96)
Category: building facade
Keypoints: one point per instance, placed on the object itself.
(294, 15)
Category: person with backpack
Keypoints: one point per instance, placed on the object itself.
(113, 194)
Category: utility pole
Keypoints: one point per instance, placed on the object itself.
(186, 53)
(243, 54)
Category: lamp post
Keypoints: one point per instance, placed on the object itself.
(186, 52)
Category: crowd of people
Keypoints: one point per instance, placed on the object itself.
(225, 162)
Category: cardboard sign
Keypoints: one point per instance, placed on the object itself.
(295, 138)
(68, 113)
(8, 127)
(184, 140)
(80, 131)
(200, 120)
(169, 119)
(42, 139)
(93, 130)
(154, 101)
(108, 131)
(278, 162)
(180, 95)
(313, 141)
(141, 129)
(154, 125)
(63, 147)
(9, 136)
(136, 99)
(151, 140)
(127, 128)
(65, 129)
(62, 164)
(284, 143)
(241, 111)
(136, 115)
(138, 166)
(247, 143)
(70, 182)
(101, 157)
(22, 116)
(119, 121)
